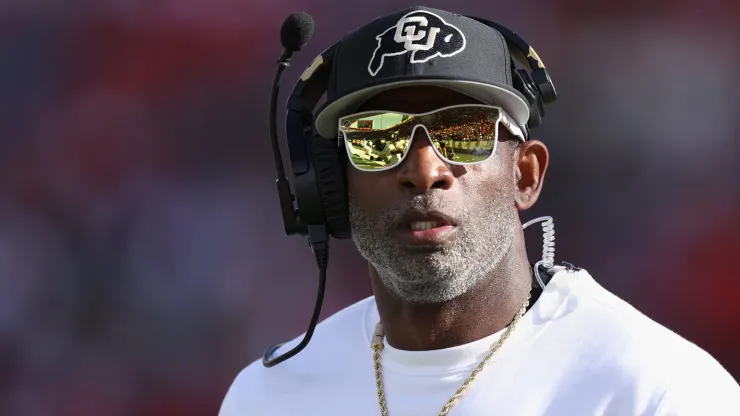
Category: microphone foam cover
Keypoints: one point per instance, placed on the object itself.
(296, 31)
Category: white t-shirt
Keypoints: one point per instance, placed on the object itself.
(579, 351)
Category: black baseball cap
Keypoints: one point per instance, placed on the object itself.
(420, 46)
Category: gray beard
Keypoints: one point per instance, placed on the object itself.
(486, 226)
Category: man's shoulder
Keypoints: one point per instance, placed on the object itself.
(340, 343)
(638, 346)
(619, 352)
(629, 330)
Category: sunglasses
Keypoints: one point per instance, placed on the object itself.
(461, 135)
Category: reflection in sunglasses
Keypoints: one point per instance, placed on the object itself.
(377, 153)
(461, 134)
(380, 153)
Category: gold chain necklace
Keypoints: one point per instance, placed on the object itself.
(377, 346)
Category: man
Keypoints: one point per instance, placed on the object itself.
(457, 323)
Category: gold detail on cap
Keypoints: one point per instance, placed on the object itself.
(308, 72)
(533, 54)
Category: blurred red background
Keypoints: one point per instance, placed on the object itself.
(142, 257)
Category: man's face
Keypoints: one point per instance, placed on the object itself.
(433, 230)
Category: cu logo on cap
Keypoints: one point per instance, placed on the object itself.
(422, 33)
(410, 30)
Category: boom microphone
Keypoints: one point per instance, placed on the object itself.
(295, 34)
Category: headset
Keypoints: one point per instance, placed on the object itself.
(318, 206)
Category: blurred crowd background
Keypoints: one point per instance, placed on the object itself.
(142, 255)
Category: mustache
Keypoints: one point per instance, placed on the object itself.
(424, 203)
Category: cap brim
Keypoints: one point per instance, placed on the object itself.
(513, 103)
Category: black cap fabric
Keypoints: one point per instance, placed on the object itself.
(420, 46)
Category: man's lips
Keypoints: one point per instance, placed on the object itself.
(418, 228)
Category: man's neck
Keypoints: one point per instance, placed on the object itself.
(486, 309)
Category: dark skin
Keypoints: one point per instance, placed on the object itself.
(491, 305)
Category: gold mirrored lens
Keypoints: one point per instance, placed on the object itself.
(381, 140)
(376, 140)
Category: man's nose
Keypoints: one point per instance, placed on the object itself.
(423, 169)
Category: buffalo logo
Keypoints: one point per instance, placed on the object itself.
(424, 34)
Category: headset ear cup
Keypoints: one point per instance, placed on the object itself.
(523, 83)
(332, 184)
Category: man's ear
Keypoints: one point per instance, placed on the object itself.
(530, 164)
